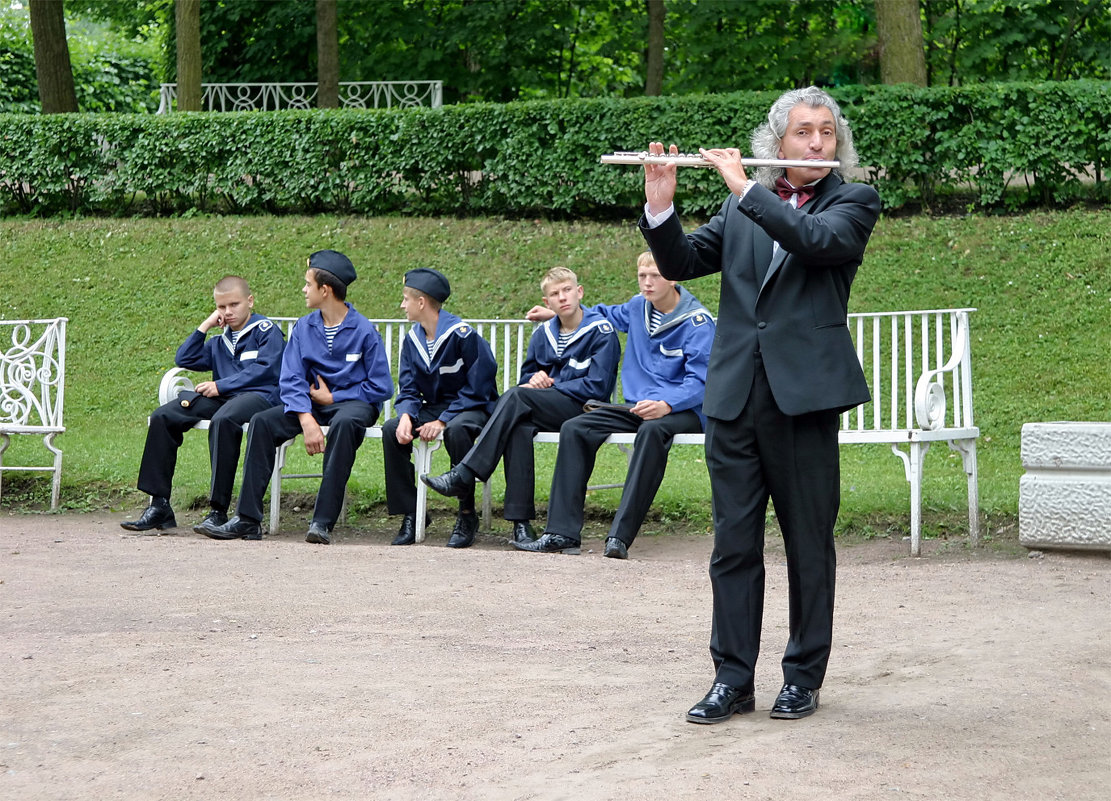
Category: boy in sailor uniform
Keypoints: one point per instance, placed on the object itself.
(244, 360)
(663, 378)
(571, 359)
(334, 373)
(446, 387)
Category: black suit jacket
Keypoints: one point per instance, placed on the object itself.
(793, 310)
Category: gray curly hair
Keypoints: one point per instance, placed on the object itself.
(767, 138)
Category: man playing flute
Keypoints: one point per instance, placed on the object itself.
(782, 368)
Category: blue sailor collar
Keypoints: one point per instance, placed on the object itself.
(446, 325)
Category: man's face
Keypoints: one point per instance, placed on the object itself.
(653, 286)
(410, 304)
(563, 298)
(234, 307)
(811, 134)
(313, 292)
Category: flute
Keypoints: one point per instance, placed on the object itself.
(695, 160)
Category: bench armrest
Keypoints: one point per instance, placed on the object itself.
(929, 395)
(174, 382)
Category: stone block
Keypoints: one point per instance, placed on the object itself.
(1064, 497)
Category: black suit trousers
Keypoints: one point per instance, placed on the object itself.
(347, 422)
(166, 432)
(579, 441)
(520, 413)
(459, 435)
(793, 460)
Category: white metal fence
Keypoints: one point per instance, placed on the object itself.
(281, 96)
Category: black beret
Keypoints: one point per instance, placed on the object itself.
(430, 282)
(334, 262)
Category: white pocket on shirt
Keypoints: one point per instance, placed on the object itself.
(354, 357)
(247, 355)
(576, 365)
(674, 353)
(451, 368)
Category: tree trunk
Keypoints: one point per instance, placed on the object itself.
(902, 51)
(52, 67)
(654, 63)
(327, 55)
(187, 19)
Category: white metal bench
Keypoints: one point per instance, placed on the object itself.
(32, 388)
(917, 364)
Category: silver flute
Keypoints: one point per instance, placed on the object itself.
(695, 160)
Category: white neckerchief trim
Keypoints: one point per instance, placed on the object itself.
(416, 333)
(581, 331)
(226, 336)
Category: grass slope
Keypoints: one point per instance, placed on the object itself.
(133, 289)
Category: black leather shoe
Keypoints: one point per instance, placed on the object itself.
(466, 526)
(407, 534)
(550, 543)
(235, 529)
(616, 549)
(455, 483)
(721, 703)
(215, 518)
(522, 532)
(795, 702)
(158, 515)
(318, 534)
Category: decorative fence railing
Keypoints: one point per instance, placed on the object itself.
(280, 96)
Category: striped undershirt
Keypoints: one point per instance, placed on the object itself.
(330, 334)
(562, 341)
(655, 317)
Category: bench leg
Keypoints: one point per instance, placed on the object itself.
(276, 487)
(967, 449)
(912, 466)
(422, 459)
(56, 487)
(5, 441)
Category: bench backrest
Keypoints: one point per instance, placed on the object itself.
(32, 374)
(917, 364)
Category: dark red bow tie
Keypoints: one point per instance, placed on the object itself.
(784, 189)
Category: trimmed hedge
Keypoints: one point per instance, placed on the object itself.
(541, 157)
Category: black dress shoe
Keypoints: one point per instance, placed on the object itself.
(158, 515)
(522, 532)
(318, 534)
(407, 534)
(235, 529)
(466, 526)
(550, 543)
(215, 518)
(721, 703)
(795, 702)
(455, 483)
(616, 549)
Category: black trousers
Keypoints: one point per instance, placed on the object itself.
(520, 413)
(348, 422)
(168, 424)
(579, 441)
(794, 461)
(458, 436)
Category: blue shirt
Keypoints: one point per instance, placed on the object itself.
(252, 364)
(586, 369)
(456, 370)
(356, 367)
(670, 363)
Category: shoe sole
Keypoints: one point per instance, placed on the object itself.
(794, 715)
(744, 708)
(522, 546)
(171, 523)
(316, 539)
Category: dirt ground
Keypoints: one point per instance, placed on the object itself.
(177, 667)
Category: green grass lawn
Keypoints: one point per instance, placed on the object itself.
(133, 289)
